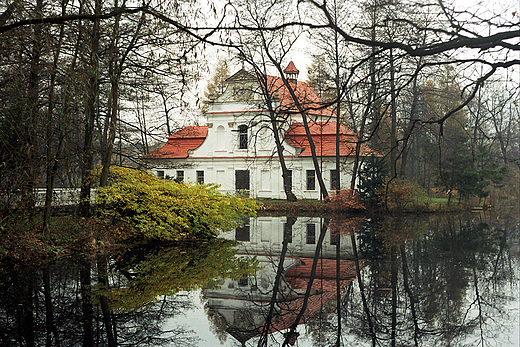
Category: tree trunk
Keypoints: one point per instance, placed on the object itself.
(49, 315)
(393, 114)
(92, 93)
(115, 71)
(370, 106)
(409, 131)
(52, 160)
(33, 115)
(86, 300)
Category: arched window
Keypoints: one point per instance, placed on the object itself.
(242, 137)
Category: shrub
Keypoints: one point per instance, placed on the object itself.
(399, 193)
(346, 200)
(165, 209)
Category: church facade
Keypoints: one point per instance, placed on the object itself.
(236, 148)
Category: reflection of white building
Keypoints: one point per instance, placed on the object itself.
(243, 304)
(236, 147)
(264, 235)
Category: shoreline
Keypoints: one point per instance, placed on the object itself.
(322, 207)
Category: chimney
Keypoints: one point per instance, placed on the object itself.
(291, 72)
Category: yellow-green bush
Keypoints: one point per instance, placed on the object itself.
(164, 209)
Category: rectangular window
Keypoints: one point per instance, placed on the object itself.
(242, 182)
(242, 139)
(334, 237)
(311, 234)
(311, 180)
(180, 176)
(160, 174)
(334, 180)
(242, 232)
(200, 177)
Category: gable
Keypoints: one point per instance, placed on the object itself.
(244, 86)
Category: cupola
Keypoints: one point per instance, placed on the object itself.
(291, 72)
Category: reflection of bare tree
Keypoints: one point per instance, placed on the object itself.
(366, 309)
(429, 281)
(62, 308)
(86, 303)
(411, 296)
(292, 288)
(279, 276)
(102, 268)
(291, 335)
(51, 329)
(450, 284)
(439, 287)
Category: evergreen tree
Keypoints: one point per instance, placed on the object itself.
(372, 182)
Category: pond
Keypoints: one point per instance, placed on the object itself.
(450, 280)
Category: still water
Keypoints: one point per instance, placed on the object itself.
(284, 281)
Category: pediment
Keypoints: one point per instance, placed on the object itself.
(242, 86)
(240, 76)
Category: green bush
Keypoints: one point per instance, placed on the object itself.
(167, 210)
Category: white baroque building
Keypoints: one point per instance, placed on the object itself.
(236, 148)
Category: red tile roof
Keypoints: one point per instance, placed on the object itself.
(310, 101)
(324, 138)
(291, 68)
(323, 134)
(180, 143)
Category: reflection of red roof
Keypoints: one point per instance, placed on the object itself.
(289, 311)
(325, 280)
(180, 143)
(324, 138)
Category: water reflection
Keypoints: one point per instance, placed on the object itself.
(122, 300)
(305, 264)
(379, 281)
(383, 281)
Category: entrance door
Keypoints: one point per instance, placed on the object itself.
(242, 182)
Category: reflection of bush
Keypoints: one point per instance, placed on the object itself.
(166, 270)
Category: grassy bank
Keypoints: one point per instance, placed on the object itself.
(420, 205)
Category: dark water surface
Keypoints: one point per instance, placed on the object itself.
(448, 280)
